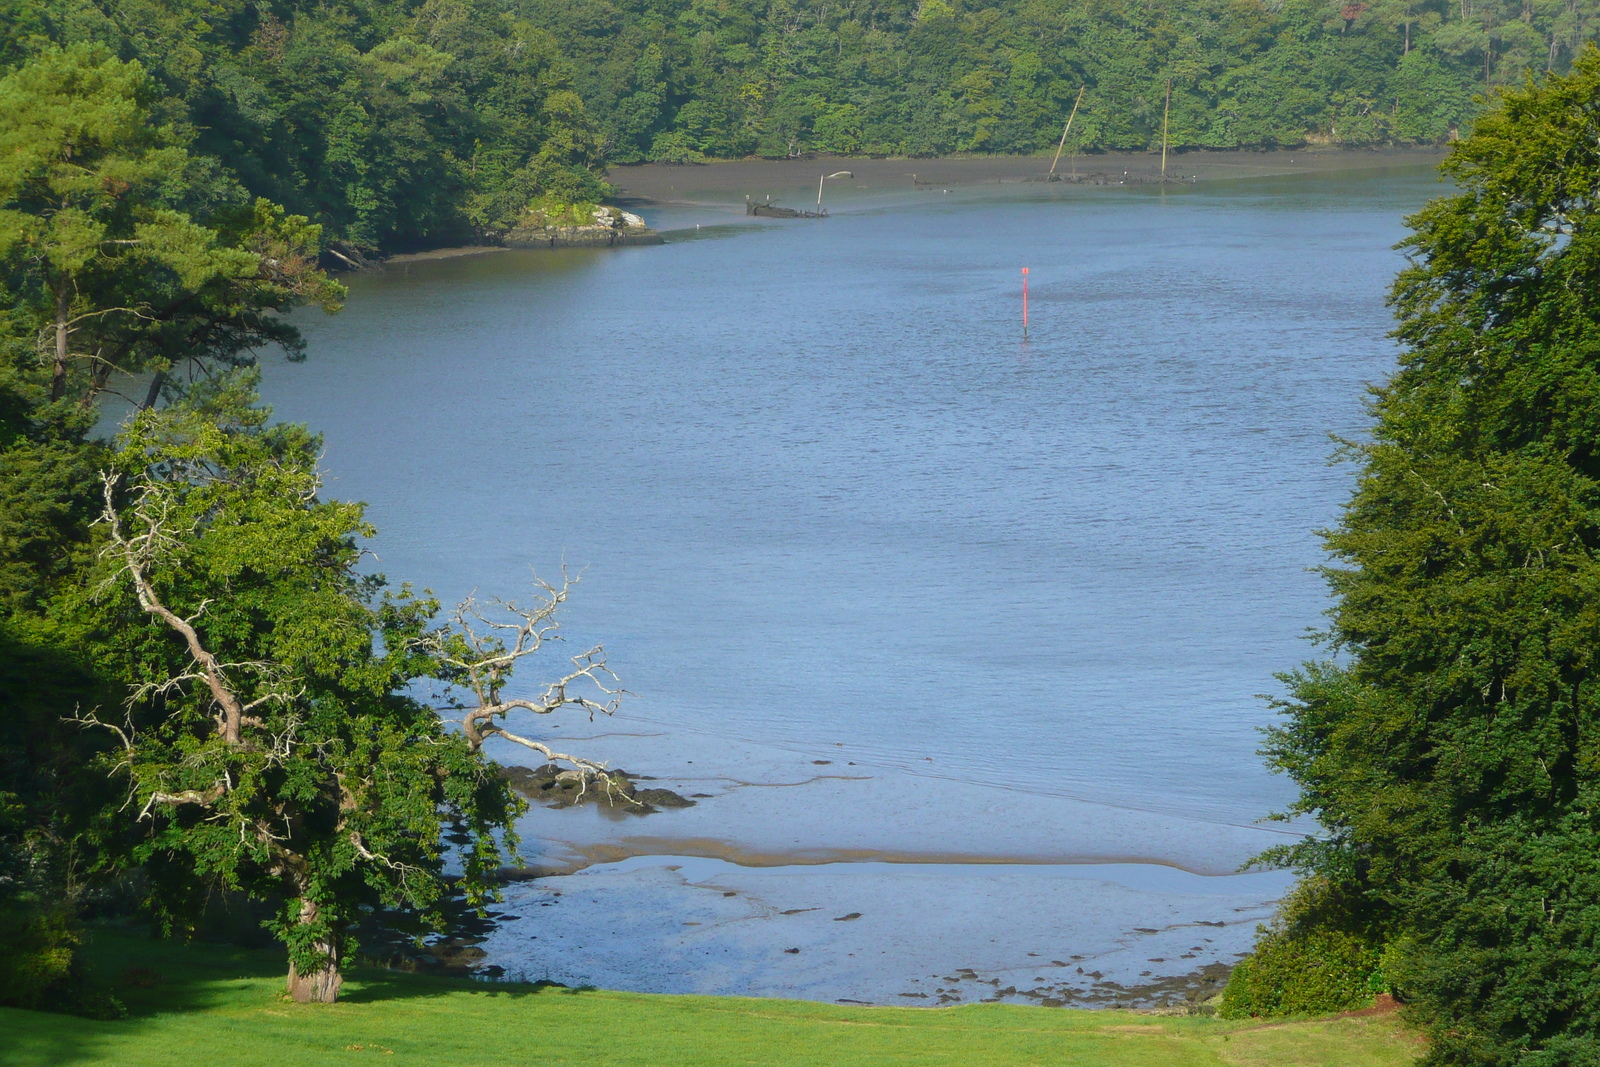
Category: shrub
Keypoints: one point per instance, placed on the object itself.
(38, 954)
(1314, 959)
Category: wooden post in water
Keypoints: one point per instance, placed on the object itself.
(1065, 128)
(1024, 303)
(820, 179)
(1165, 117)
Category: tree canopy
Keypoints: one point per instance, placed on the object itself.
(1452, 749)
(397, 124)
(197, 681)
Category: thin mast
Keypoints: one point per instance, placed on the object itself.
(1065, 128)
(1165, 117)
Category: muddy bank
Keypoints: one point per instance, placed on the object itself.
(455, 252)
(1181, 994)
(745, 856)
(732, 179)
(916, 935)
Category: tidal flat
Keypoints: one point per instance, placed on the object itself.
(937, 623)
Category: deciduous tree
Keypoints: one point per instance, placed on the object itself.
(271, 742)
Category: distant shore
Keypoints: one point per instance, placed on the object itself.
(728, 180)
(666, 183)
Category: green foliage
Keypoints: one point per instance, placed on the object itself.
(390, 125)
(395, 126)
(38, 954)
(551, 211)
(1313, 960)
(121, 250)
(273, 749)
(681, 80)
(1453, 751)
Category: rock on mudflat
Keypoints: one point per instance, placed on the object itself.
(618, 790)
(611, 227)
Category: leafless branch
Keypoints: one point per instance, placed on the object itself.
(188, 796)
(136, 554)
(489, 638)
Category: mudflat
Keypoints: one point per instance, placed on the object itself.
(717, 181)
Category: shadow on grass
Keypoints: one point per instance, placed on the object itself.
(369, 985)
(150, 979)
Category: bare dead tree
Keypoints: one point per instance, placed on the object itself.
(489, 638)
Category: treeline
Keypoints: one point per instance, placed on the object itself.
(398, 124)
(390, 125)
(678, 80)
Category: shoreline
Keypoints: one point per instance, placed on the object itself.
(724, 181)
(1097, 935)
(661, 184)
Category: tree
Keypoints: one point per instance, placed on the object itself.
(269, 742)
(1452, 752)
(129, 253)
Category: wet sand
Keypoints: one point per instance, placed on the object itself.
(1106, 935)
(452, 252)
(872, 886)
(722, 181)
(763, 806)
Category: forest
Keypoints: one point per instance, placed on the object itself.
(401, 125)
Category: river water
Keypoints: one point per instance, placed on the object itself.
(972, 598)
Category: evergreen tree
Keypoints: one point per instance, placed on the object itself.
(125, 252)
(1452, 749)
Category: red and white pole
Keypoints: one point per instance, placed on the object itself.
(1024, 302)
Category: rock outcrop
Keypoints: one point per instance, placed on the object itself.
(608, 228)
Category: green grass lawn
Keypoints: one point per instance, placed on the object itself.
(222, 1007)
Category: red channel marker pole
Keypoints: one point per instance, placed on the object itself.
(1024, 302)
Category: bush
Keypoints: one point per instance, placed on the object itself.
(1313, 959)
(38, 955)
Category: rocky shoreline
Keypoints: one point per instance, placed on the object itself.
(610, 227)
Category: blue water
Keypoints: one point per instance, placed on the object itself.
(825, 492)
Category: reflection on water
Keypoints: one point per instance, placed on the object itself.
(828, 499)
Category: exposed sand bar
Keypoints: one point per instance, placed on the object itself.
(761, 805)
(733, 179)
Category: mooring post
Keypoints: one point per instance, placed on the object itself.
(1024, 303)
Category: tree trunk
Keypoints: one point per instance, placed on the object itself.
(58, 373)
(157, 380)
(321, 984)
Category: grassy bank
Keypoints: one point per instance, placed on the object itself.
(223, 1006)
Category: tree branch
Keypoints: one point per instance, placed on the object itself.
(137, 554)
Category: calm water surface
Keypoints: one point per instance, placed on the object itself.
(826, 494)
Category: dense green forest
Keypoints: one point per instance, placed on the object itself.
(396, 124)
